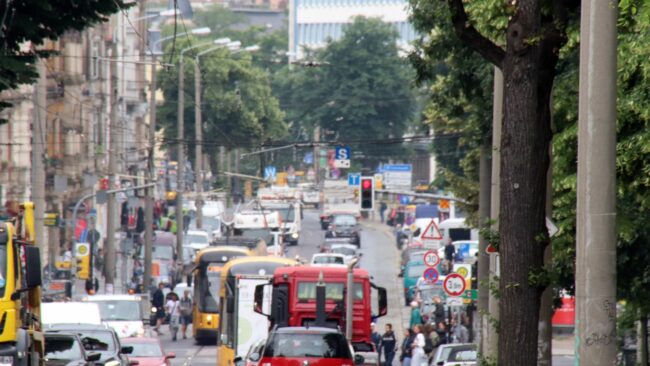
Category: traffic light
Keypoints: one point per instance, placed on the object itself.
(367, 200)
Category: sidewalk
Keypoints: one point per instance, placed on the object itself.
(563, 345)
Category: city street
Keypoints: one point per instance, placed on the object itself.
(380, 258)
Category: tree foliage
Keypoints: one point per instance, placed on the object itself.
(237, 105)
(35, 21)
(361, 92)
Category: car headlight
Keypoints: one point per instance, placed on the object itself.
(6, 360)
(153, 309)
(112, 363)
(294, 235)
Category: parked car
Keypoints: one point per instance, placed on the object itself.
(412, 273)
(455, 354)
(124, 313)
(148, 351)
(97, 338)
(314, 346)
(66, 349)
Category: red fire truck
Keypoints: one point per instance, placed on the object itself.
(293, 300)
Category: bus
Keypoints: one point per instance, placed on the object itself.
(207, 265)
(240, 326)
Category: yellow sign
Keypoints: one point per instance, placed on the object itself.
(83, 261)
(463, 272)
(51, 219)
(248, 189)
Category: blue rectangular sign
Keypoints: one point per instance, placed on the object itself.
(354, 179)
(397, 168)
(342, 153)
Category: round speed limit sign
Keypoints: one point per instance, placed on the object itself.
(454, 284)
(431, 258)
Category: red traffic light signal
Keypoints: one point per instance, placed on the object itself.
(103, 184)
(367, 196)
(366, 184)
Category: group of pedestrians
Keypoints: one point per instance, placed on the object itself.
(421, 339)
(176, 312)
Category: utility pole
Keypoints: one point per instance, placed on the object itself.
(236, 188)
(180, 134)
(149, 199)
(112, 156)
(483, 275)
(596, 198)
(317, 154)
(198, 126)
(491, 344)
(38, 155)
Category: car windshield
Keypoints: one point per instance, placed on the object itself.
(196, 239)
(287, 214)
(211, 223)
(264, 234)
(102, 341)
(328, 345)
(328, 259)
(145, 349)
(119, 310)
(416, 271)
(344, 251)
(162, 252)
(333, 291)
(62, 348)
(209, 285)
(463, 355)
(344, 220)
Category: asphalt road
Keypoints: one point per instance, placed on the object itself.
(380, 258)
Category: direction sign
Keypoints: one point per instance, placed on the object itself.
(342, 157)
(354, 179)
(431, 258)
(454, 284)
(432, 232)
(430, 275)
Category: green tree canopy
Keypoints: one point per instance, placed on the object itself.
(35, 21)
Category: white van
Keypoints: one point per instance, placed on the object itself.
(213, 218)
(124, 313)
(70, 313)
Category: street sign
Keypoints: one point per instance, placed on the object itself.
(354, 179)
(550, 226)
(342, 157)
(454, 301)
(454, 284)
(470, 294)
(430, 275)
(432, 232)
(51, 219)
(269, 172)
(464, 270)
(491, 249)
(431, 258)
(397, 176)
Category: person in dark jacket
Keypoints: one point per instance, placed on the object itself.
(407, 345)
(158, 302)
(389, 345)
(438, 310)
(450, 254)
(375, 337)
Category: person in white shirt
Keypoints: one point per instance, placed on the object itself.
(419, 357)
(173, 309)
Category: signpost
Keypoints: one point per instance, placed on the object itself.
(431, 258)
(454, 284)
(397, 176)
(432, 232)
(342, 156)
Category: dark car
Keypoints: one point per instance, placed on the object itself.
(67, 349)
(97, 339)
(312, 346)
(344, 226)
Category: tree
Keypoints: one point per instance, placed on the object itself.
(35, 21)
(533, 32)
(360, 93)
(237, 105)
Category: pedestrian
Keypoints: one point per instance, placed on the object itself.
(450, 252)
(416, 316)
(158, 302)
(459, 332)
(186, 312)
(406, 351)
(432, 339)
(438, 310)
(443, 337)
(173, 309)
(382, 210)
(419, 356)
(388, 345)
(99, 260)
(375, 337)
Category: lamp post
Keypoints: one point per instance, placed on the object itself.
(149, 201)
(232, 46)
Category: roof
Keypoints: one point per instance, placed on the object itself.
(254, 264)
(306, 330)
(311, 271)
(112, 297)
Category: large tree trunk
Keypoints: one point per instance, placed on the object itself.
(525, 141)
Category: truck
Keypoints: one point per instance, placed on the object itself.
(259, 224)
(21, 335)
(338, 198)
(293, 300)
(291, 215)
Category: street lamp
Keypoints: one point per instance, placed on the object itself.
(198, 126)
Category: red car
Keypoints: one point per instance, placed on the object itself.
(147, 351)
(308, 346)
